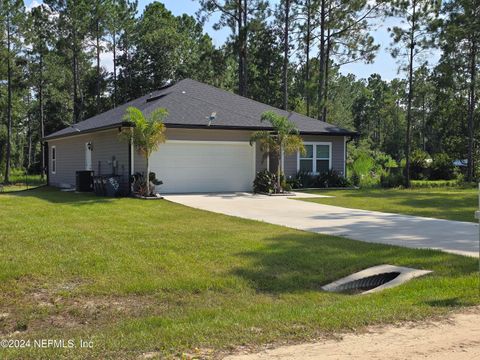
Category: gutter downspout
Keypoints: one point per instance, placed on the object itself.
(130, 162)
(46, 155)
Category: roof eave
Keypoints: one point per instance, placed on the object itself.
(88, 131)
(256, 128)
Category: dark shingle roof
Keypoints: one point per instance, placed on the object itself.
(190, 103)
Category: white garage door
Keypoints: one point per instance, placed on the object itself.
(201, 166)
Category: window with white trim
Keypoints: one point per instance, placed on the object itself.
(54, 159)
(317, 158)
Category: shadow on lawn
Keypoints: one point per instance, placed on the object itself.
(296, 263)
(304, 262)
(56, 196)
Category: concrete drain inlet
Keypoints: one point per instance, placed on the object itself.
(374, 279)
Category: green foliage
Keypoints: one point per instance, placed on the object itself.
(392, 180)
(329, 179)
(265, 182)
(147, 133)
(428, 184)
(442, 167)
(419, 164)
(284, 136)
(332, 179)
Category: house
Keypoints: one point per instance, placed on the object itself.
(207, 147)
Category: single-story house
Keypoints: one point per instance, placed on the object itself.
(203, 153)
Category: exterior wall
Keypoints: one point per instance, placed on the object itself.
(70, 153)
(338, 154)
(106, 145)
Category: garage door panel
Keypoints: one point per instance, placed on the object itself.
(204, 167)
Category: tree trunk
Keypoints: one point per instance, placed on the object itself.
(307, 61)
(410, 96)
(147, 176)
(471, 107)
(327, 73)
(321, 75)
(9, 105)
(242, 46)
(279, 169)
(76, 115)
(42, 121)
(114, 51)
(98, 65)
(245, 48)
(285, 55)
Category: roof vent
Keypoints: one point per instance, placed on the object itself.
(374, 279)
(156, 97)
(211, 118)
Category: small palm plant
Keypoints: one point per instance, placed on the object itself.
(147, 134)
(283, 137)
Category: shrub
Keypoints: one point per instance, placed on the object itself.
(332, 179)
(306, 180)
(139, 184)
(419, 164)
(265, 182)
(442, 168)
(391, 180)
(385, 161)
(363, 165)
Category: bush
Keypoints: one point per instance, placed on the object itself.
(139, 183)
(442, 168)
(265, 182)
(392, 180)
(326, 180)
(332, 179)
(305, 180)
(427, 184)
(419, 164)
(363, 165)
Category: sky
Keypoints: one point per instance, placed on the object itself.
(383, 64)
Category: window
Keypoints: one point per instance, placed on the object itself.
(54, 159)
(316, 159)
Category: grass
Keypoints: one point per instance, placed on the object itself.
(152, 276)
(19, 181)
(448, 203)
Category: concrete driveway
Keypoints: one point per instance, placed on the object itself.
(370, 226)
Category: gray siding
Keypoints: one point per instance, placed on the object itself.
(106, 145)
(338, 154)
(71, 156)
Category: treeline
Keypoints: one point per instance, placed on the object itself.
(287, 54)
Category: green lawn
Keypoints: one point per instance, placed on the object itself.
(20, 181)
(442, 203)
(139, 276)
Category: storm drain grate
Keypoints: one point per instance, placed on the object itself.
(374, 279)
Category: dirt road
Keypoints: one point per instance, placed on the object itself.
(457, 337)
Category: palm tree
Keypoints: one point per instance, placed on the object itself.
(283, 137)
(147, 134)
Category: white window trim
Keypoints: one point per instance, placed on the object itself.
(52, 160)
(314, 159)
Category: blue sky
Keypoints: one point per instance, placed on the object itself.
(384, 64)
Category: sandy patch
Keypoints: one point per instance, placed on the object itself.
(457, 337)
